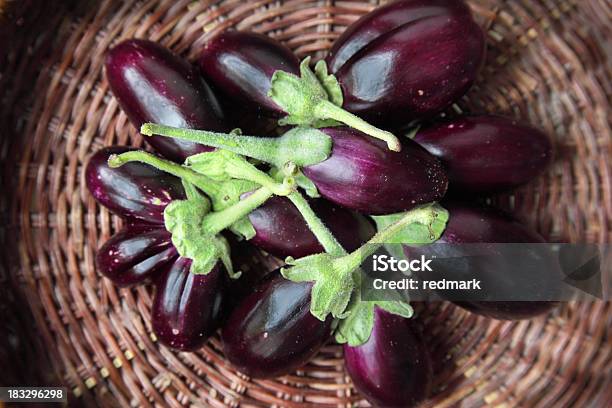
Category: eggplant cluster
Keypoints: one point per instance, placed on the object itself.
(398, 66)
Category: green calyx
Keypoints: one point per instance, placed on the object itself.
(357, 327)
(237, 177)
(331, 291)
(302, 146)
(222, 166)
(217, 221)
(314, 99)
(222, 175)
(195, 229)
(415, 234)
(301, 181)
(222, 192)
(298, 96)
(196, 222)
(336, 274)
(183, 219)
(329, 83)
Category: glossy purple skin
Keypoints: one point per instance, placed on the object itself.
(475, 224)
(187, 308)
(364, 175)
(136, 254)
(281, 230)
(393, 368)
(488, 153)
(271, 332)
(383, 20)
(241, 64)
(407, 60)
(154, 85)
(133, 191)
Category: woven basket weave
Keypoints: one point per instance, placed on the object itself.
(548, 62)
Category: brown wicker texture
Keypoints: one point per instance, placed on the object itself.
(548, 62)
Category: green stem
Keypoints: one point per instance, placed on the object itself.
(424, 215)
(218, 221)
(318, 228)
(191, 192)
(327, 110)
(209, 186)
(301, 146)
(242, 169)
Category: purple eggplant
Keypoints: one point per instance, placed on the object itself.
(393, 368)
(187, 308)
(281, 230)
(474, 224)
(154, 85)
(134, 191)
(272, 332)
(241, 64)
(136, 254)
(138, 193)
(407, 60)
(363, 175)
(253, 71)
(487, 153)
(484, 225)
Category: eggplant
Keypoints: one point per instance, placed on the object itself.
(471, 224)
(272, 332)
(153, 85)
(134, 191)
(407, 60)
(138, 193)
(393, 368)
(136, 254)
(363, 175)
(187, 308)
(281, 230)
(487, 153)
(253, 71)
(241, 64)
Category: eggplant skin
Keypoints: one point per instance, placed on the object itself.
(134, 191)
(187, 308)
(240, 65)
(408, 60)
(488, 153)
(393, 368)
(152, 84)
(385, 19)
(281, 230)
(471, 224)
(474, 223)
(135, 255)
(364, 175)
(272, 332)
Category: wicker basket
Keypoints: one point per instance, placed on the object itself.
(548, 62)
